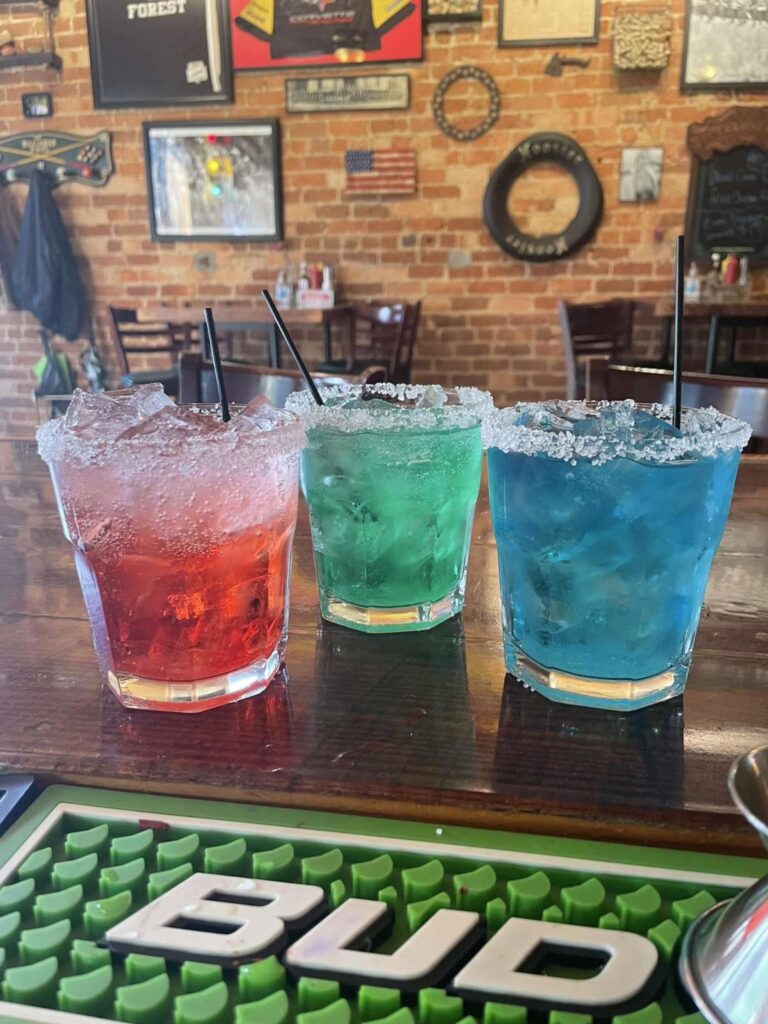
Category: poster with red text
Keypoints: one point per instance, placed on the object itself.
(270, 34)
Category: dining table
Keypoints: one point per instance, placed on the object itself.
(336, 322)
(425, 726)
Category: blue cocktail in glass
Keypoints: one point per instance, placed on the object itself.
(606, 520)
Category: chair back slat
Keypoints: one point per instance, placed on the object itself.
(602, 328)
(131, 336)
(402, 356)
(385, 333)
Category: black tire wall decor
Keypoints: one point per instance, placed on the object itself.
(544, 147)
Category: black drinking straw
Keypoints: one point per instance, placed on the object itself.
(292, 346)
(677, 368)
(213, 344)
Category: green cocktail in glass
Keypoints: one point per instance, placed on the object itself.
(391, 475)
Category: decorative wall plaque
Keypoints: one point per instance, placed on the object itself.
(454, 10)
(64, 157)
(642, 40)
(347, 92)
(380, 172)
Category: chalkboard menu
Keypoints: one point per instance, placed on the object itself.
(728, 196)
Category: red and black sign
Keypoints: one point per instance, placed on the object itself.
(291, 33)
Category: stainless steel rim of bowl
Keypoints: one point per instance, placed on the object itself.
(754, 766)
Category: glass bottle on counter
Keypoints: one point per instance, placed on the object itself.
(713, 282)
(692, 291)
(730, 270)
(282, 289)
(745, 285)
(303, 282)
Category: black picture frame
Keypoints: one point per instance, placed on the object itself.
(131, 68)
(719, 86)
(293, 84)
(586, 40)
(37, 104)
(211, 132)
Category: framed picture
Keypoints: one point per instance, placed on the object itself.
(640, 180)
(726, 46)
(155, 53)
(269, 34)
(453, 10)
(347, 92)
(37, 104)
(214, 181)
(548, 22)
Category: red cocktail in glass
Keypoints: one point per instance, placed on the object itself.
(182, 529)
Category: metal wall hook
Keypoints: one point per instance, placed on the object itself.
(86, 159)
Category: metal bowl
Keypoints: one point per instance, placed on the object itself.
(724, 958)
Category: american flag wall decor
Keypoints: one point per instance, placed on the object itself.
(380, 171)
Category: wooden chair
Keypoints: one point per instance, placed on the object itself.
(595, 328)
(197, 382)
(384, 334)
(130, 336)
(746, 398)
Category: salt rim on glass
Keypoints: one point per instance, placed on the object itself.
(185, 432)
(448, 408)
(527, 429)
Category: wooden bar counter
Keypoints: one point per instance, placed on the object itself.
(420, 725)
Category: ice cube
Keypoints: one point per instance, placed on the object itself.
(260, 414)
(702, 421)
(546, 417)
(617, 420)
(95, 414)
(589, 426)
(173, 424)
(646, 427)
(430, 398)
(147, 399)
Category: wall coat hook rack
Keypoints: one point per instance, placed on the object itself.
(63, 157)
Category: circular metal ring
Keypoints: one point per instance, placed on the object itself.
(438, 103)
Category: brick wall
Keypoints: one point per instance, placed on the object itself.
(492, 322)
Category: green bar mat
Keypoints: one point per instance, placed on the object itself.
(158, 910)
